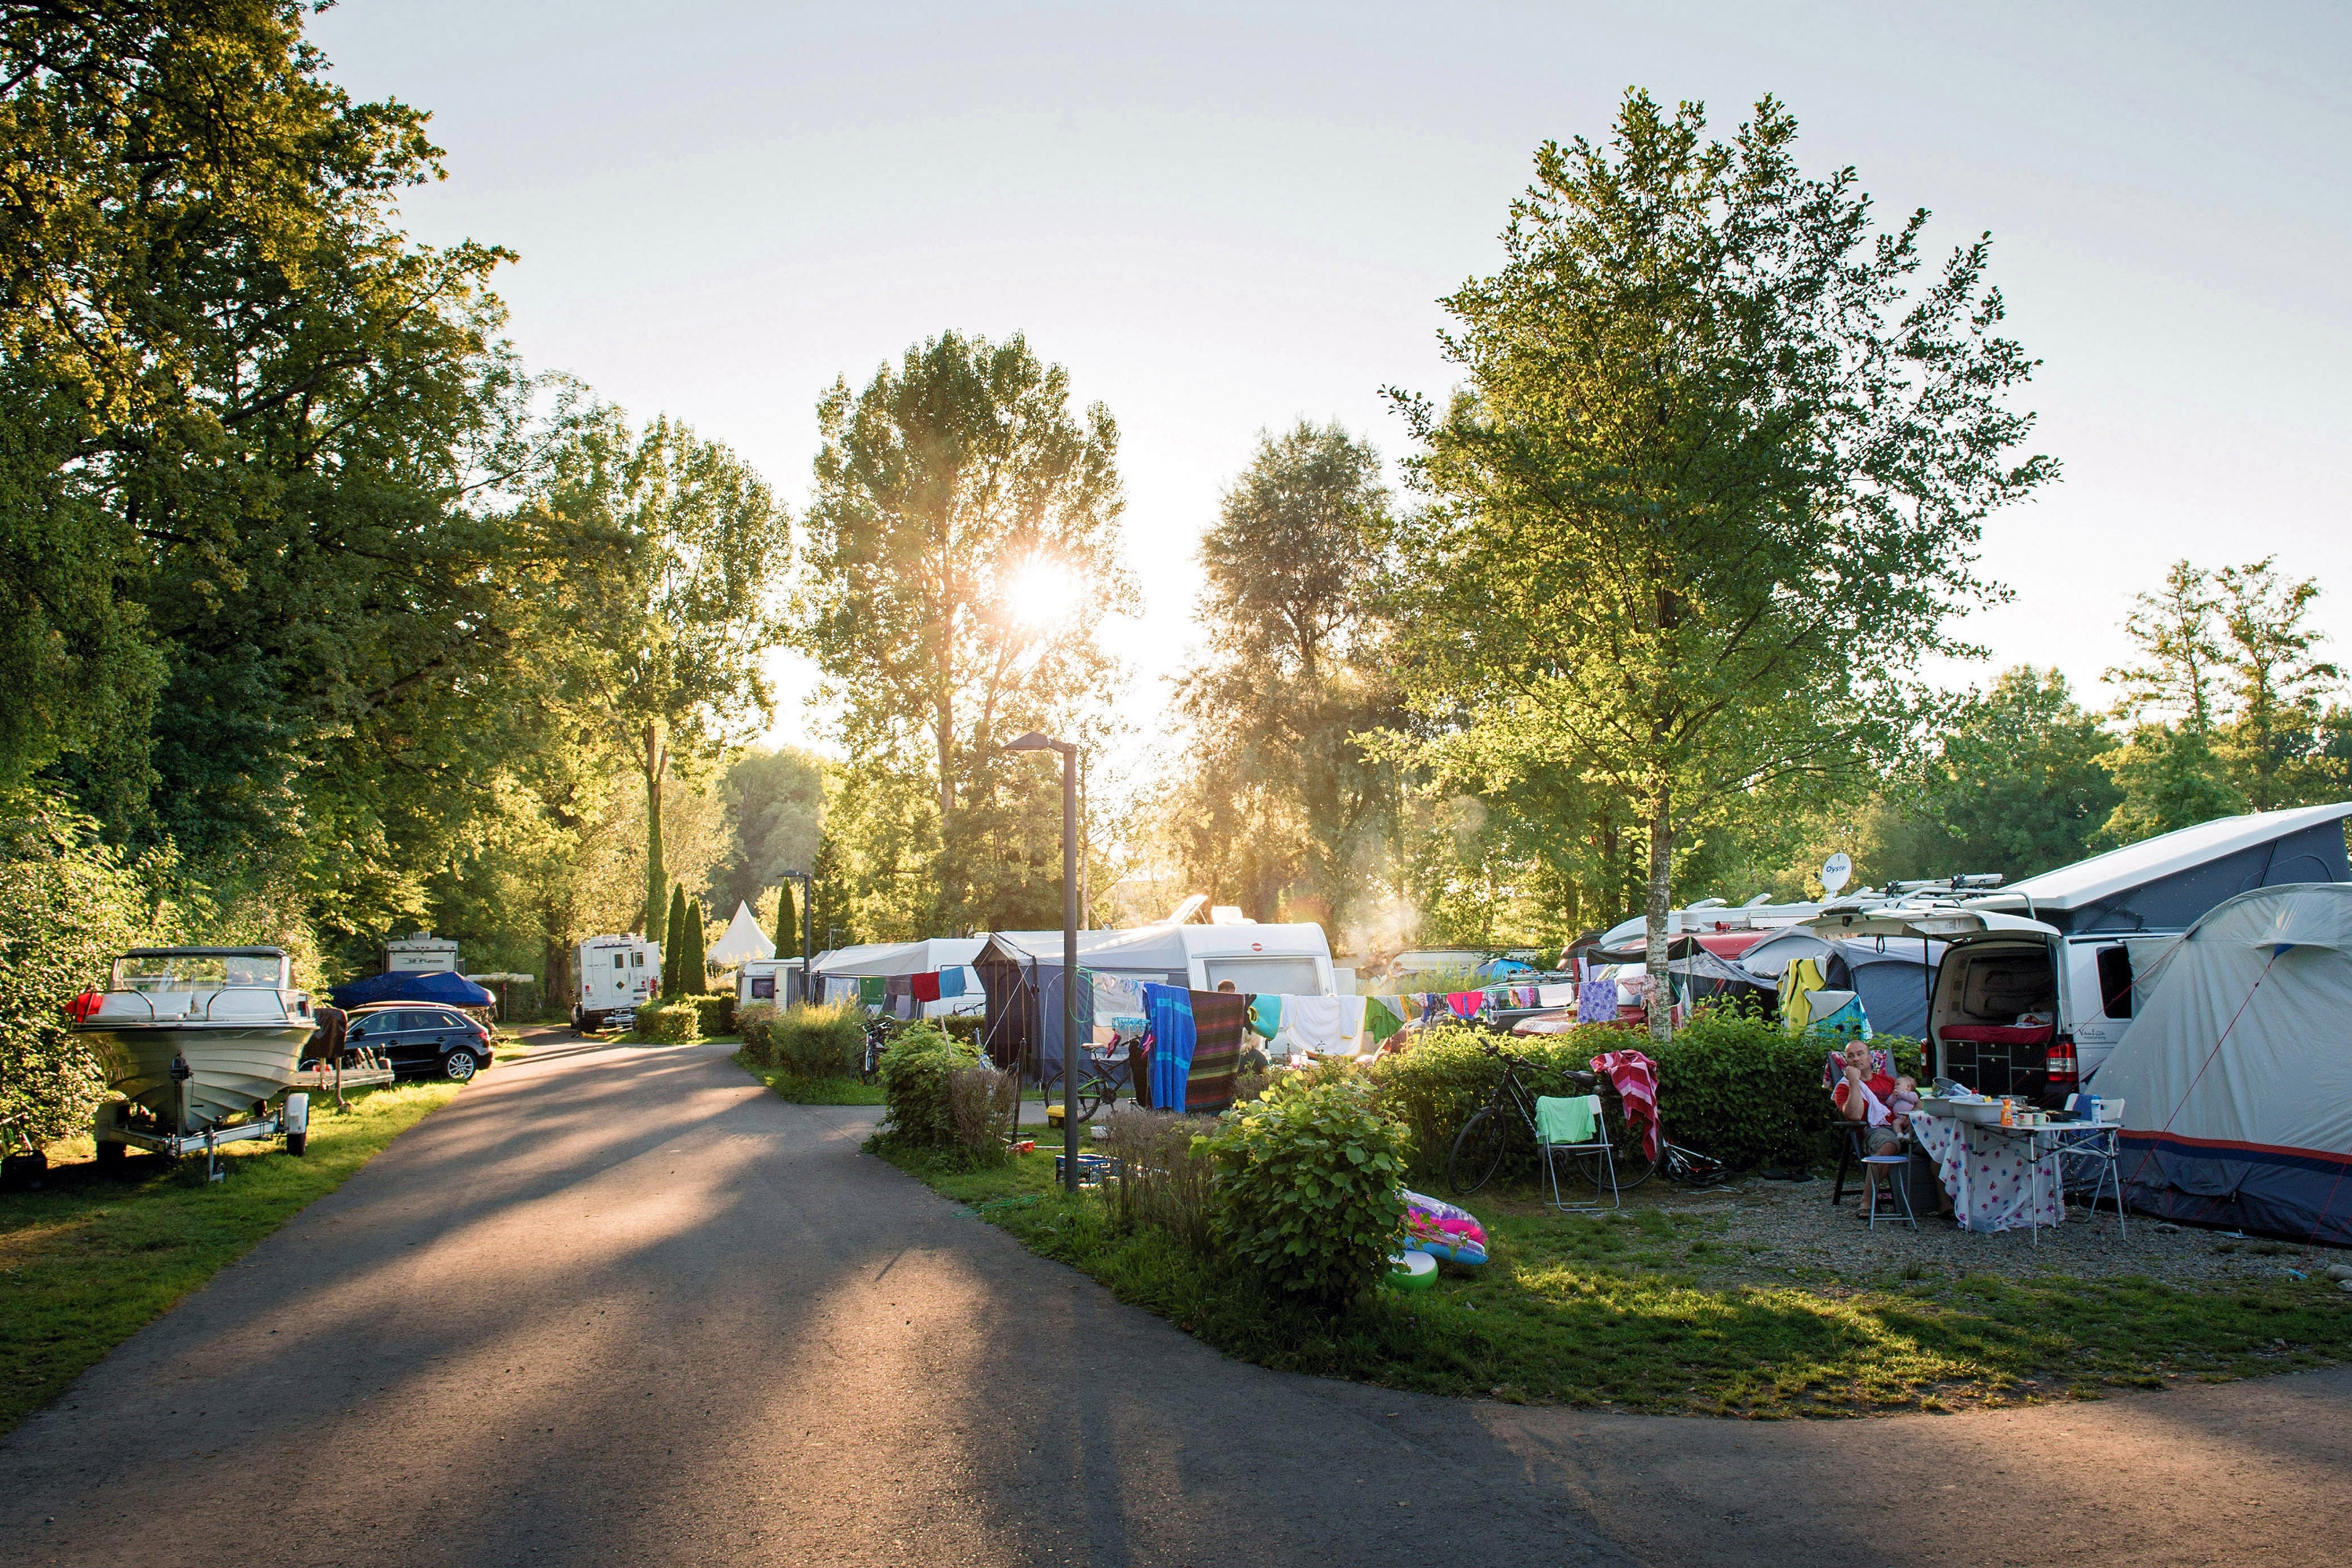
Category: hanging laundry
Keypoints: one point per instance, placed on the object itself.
(1557, 996)
(925, 988)
(1219, 1020)
(1316, 1023)
(1266, 1015)
(1596, 1001)
(1466, 1004)
(951, 982)
(1168, 1009)
(870, 991)
(1636, 1077)
(1383, 1018)
(1798, 981)
(1118, 1006)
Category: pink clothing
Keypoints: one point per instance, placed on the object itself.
(1636, 1077)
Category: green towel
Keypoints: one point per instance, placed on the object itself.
(870, 990)
(1567, 1121)
(1266, 1015)
(1381, 1018)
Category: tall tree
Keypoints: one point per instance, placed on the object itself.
(2178, 659)
(1285, 806)
(788, 923)
(775, 809)
(676, 614)
(962, 550)
(2278, 685)
(1717, 475)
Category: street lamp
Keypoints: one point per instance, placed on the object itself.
(808, 926)
(1036, 740)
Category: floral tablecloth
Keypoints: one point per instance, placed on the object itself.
(1989, 1172)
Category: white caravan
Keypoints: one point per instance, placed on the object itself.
(613, 974)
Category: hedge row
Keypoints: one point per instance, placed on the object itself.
(805, 1041)
(1731, 1085)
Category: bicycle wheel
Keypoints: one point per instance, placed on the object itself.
(1477, 1151)
(1634, 1164)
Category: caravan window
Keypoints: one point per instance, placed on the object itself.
(636, 958)
(620, 961)
(2116, 981)
(1265, 976)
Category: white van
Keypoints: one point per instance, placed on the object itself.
(776, 980)
(613, 974)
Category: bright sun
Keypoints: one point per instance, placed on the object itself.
(1043, 593)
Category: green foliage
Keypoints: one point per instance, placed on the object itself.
(714, 1012)
(2170, 779)
(1714, 480)
(919, 1112)
(68, 904)
(804, 1041)
(669, 1023)
(965, 1026)
(968, 452)
(776, 805)
(1434, 1085)
(673, 942)
(1305, 1194)
(1282, 811)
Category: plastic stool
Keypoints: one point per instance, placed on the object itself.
(1890, 1163)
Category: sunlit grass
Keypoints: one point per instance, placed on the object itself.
(1630, 1311)
(88, 1262)
(842, 1090)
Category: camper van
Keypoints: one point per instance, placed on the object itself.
(2036, 982)
(772, 980)
(613, 974)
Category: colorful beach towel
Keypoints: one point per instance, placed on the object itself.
(1219, 1020)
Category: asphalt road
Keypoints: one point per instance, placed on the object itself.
(621, 1307)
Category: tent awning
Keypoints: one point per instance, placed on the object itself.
(744, 939)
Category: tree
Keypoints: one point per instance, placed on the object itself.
(2275, 750)
(788, 923)
(2179, 659)
(673, 941)
(775, 809)
(962, 550)
(679, 609)
(1284, 808)
(1716, 478)
(2018, 785)
(2170, 780)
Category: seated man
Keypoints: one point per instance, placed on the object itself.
(1862, 1094)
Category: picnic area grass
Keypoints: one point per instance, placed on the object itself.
(1646, 1311)
(87, 1260)
(844, 1090)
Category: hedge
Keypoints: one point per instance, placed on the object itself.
(807, 1042)
(918, 1112)
(1731, 1085)
(669, 1023)
(1306, 1190)
(715, 1012)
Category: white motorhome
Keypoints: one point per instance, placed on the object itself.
(613, 974)
(1292, 960)
(772, 980)
(420, 953)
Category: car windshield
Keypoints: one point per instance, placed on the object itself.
(195, 970)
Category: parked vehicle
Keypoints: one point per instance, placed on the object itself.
(421, 1042)
(612, 975)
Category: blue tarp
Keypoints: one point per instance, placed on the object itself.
(448, 989)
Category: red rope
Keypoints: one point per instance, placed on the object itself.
(2210, 1056)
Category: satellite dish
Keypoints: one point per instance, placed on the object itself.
(1836, 872)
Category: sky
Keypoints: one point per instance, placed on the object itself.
(1222, 219)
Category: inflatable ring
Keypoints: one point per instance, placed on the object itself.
(1411, 1271)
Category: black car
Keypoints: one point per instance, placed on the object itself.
(423, 1042)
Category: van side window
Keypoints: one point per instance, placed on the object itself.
(2116, 981)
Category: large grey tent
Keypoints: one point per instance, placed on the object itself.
(2236, 1074)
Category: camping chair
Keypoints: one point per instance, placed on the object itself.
(1576, 1126)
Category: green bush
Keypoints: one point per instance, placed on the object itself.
(964, 1026)
(668, 1022)
(918, 1108)
(755, 1022)
(804, 1041)
(1306, 1191)
(715, 1012)
(1434, 1085)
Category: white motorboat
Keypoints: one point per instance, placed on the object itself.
(197, 1038)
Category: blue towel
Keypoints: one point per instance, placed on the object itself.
(1169, 1008)
(951, 981)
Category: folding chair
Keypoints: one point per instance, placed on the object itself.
(1576, 1126)
(2091, 1152)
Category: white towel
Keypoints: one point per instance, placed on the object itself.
(1555, 995)
(1313, 1022)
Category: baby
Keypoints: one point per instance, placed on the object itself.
(1903, 1101)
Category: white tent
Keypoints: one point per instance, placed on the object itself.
(744, 939)
(2236, 1074)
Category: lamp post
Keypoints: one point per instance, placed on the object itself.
(1034, 741)
(808, 925)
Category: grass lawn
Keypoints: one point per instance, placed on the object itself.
(86, 1261)
(813, 1090)
(1633, 1311)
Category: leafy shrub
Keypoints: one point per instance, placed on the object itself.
(808, 1042)
(668, 1022)
(981, 1103)
(917, 1110)
(964, 1026)
(715, 1012)
(753, 1022)
(1163, 1177)
(1306, 1190)
(1434, 1085)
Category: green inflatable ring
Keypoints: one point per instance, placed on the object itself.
(1411, 1271)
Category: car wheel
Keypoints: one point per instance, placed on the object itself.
(460, 1065)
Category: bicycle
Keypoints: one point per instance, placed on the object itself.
(878, 1040)
(1104, 1074)
(1478, 1148)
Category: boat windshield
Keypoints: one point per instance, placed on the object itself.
(153, 971)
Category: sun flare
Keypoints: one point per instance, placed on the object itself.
(1043, 593)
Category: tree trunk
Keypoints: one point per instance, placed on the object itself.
(1659, 907)
(657, 878)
